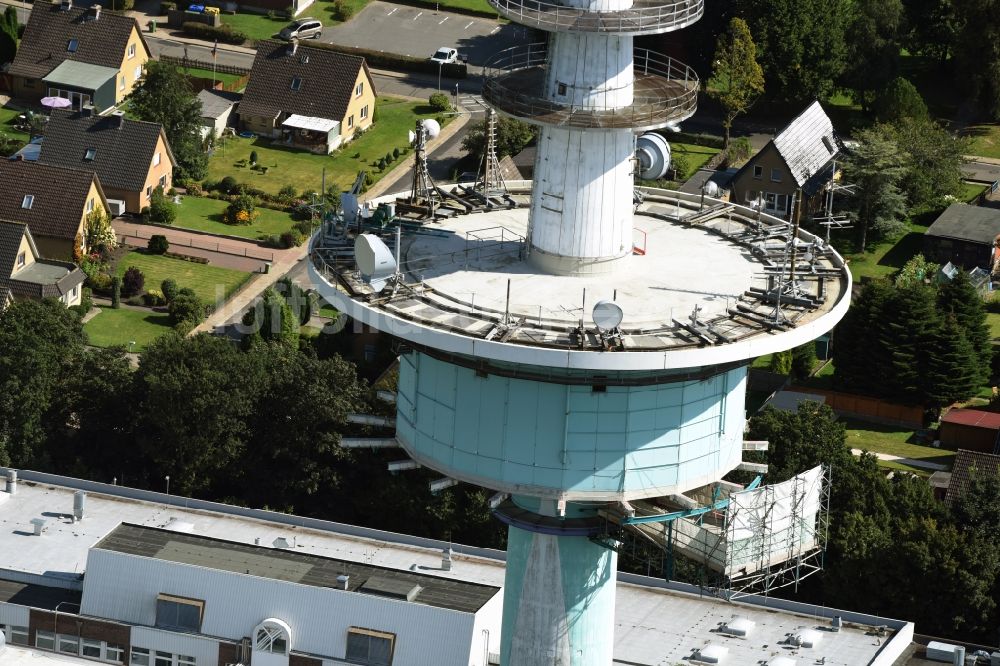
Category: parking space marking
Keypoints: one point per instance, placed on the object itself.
(417, 16)
(394, 10)
(467, 27)
(443, 20)
(495, 30)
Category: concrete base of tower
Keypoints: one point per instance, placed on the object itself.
(555, 264)
(559, 600)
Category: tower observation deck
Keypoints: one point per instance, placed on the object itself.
(579, 351)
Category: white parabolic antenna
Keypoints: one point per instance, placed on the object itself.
(432, 128)
(608, 315)
(374, 260)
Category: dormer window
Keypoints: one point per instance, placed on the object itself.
(829, 144)
(296, 83)
(90, 154)
(304, 59)
(21, 260)
(71, 45)
(27, 201)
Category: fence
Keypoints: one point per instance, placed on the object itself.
(202, 64)
(869, 409)
(199, 83)
(208, 246)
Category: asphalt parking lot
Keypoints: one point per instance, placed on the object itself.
(419, 33)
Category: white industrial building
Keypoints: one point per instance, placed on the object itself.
(156, 580)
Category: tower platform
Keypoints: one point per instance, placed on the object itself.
(643, 17)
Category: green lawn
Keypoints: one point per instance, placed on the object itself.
(208, 282)
(970, 191)
(120, 327)
(695, 156)
(304, 169)
(885, 258)
(985, 139)
(259, 26)
(993, 320)
(208, 74)
(8, 117)
(204, 214)
(893, 441)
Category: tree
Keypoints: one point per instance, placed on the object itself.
(158, 244)
(801, 45)
(800, 440)
(116, 291)
(297, 299)
(977, 52)
(953, 371)
(242, 210)
(512, 137)
(165, 96)
(857, 352)
(8, 35)
(439, 102)
(40, 342)
(132, 282)
(161, 210)
(270, 319)
(959, 298)
(978, 507)
(873, 47)
(932, 159)
(185, 309)
(874, 166)
(737, 78)
(781, 362)
(168, 288)
(916, 271)
(98, 232)
(899, 99)
(803, 360)
(933, 28)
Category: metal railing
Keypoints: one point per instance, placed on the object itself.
(644, 17)
(665, 91)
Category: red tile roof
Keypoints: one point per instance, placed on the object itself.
(973, 417)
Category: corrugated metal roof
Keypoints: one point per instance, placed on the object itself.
(973, 417)
(807, 144)
(310, 123)
(292, 566)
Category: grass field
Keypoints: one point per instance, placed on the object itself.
(15, 137)
(885, 258)
(894, 441)
(260, 26)
(695, 156)
(304, 169)
(970, 191)
(204, 214)
(208, 282)
(993, 320)
(120, 327)
(985, 140)
(207, 74)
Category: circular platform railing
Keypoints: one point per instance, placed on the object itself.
(665, 91)
(644, 17)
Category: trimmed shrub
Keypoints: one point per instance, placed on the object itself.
(440, 102)
(242, 210)
(395, 153)
(158, 244)
(169, 289)
(161, 210)
(132, 282)
(99, 281)
(253, 157)
(342, 11)
(227, 185)
(185, 308)
(116, 292)
(223, 33)
(152, 298)
(194, 189)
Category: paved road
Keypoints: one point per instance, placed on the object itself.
(934, 467)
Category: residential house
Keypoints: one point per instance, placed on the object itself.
(131, 157)
(972, 429)
(309, 97)
(801, 157)
(53, 201)
(217, 108)
(25, 274)
(967, 464)
(964, 235)
(82, 54)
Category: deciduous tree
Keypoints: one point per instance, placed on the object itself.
(872, 47)
(737, 78)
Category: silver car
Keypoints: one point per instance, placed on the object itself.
(304, 28)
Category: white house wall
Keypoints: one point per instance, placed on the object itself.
(204, 650)
(124, 588)
(14, 615)
(488, 620)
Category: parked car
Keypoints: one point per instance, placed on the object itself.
(445, 55)
(304, 28)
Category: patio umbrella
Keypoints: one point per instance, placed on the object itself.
(56, 102)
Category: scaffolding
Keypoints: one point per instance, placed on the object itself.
(749, 541)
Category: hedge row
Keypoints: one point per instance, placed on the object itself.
(393, 61)
(223, 33)
(430, 4)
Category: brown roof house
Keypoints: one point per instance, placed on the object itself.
(53, 201)
(24, 274)
(307, 97)
(966, 465)
(799, 157)
(83, 54)
(131, 157)
(966, 236)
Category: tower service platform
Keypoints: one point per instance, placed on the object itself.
(581, 352)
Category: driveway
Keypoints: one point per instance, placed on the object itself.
(419, 32)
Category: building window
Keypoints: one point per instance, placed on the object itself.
(183, 660)
(89, 154)
(272, 637)
(29, 83)
(758, 171)
(156, 159)
(164, 659)
(561, 89)
(27, 201)
(71, 45)
(138, 72)
(45, 640)
(90, 648)
(373, 648)
(140, 657)
(775, 175)
(90, 205)
(149, 191)
(121, 84)
(296, 83)
(360, 89)
(131, 50)
(21, 259)
(350, 121)
(114, 653)
(68, 644)
(364, 111)
(19, 635)
(369, 353)
(72, 295)
(163, 181)
(178, 613)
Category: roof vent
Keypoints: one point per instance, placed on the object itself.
(806, 638)
(12, 481)
(79, 503)
(393, 588)
(342, 581)
(836, 623)
(739, 626)
(710, 654)
(446, 559)
(293, 47)
(95, 11)
(282, 542)
(304, 59)
(39, 525)
(66, 5)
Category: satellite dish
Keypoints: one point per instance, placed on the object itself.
(432, 127)
(607, 315)
(653, 153)
(374, 259)
(711, 188)
(411, 136)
